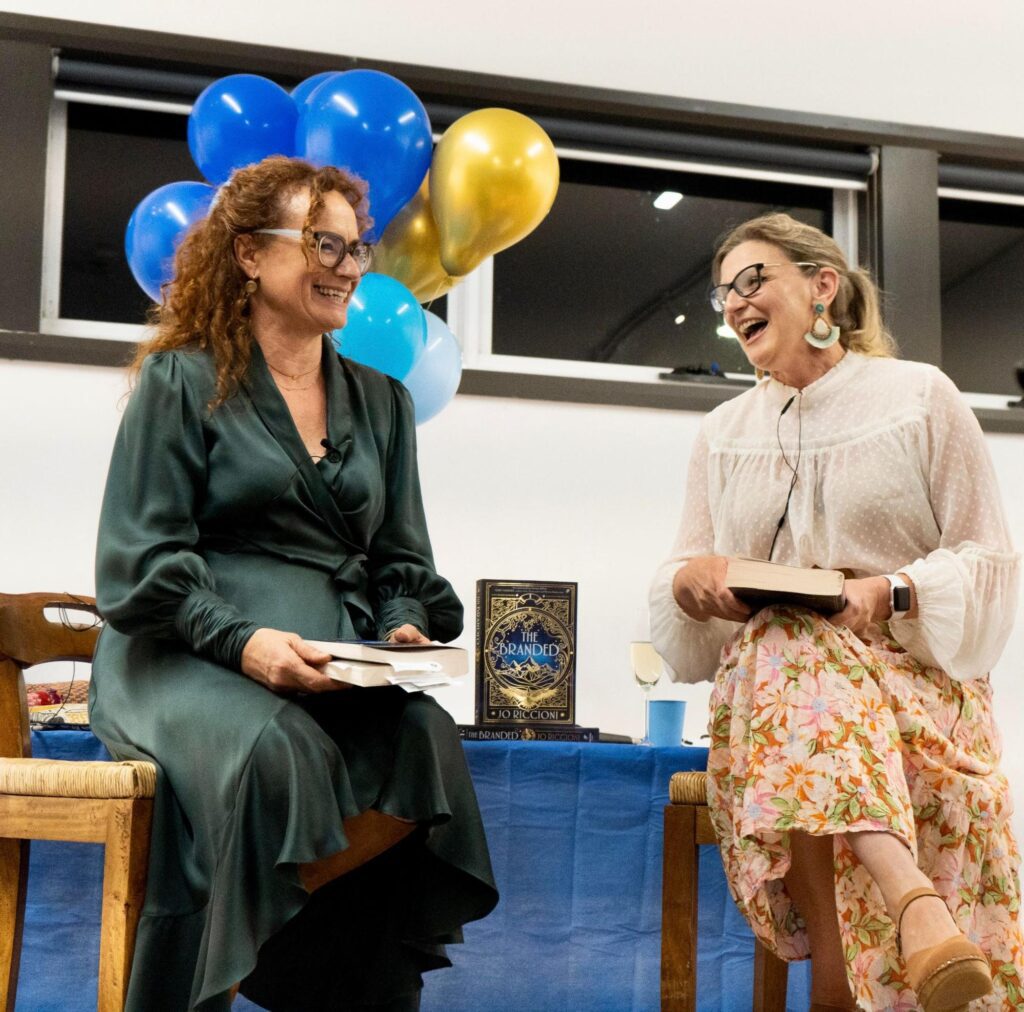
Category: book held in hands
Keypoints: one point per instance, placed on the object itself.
(761, 583)
(412, 666)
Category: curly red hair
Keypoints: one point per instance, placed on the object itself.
(205, 304)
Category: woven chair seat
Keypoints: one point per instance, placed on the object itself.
(56, 778)
(688, 788)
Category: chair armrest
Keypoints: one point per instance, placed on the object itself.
(61, 778)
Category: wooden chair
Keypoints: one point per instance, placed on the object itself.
(41, 799)
(687, 826)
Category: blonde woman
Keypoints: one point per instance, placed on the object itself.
(854, 766)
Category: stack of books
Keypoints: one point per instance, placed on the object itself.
(412, 666)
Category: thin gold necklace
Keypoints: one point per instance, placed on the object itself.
(288, 375)
(312, 383)
(293, 376)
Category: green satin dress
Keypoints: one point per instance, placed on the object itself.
(215, 524)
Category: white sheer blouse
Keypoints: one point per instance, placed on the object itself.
(893, 475)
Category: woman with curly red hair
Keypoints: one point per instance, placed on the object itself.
(319, 846)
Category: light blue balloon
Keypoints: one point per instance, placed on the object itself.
(386, 327)
(240, 120)
(373, 125)
(435, 377)
(156, 228)
(304, 89)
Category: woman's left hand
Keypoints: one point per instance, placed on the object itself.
(406, 634)
(867, 601)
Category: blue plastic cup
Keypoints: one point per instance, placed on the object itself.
(666, 721)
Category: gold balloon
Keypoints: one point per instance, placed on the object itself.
(492, 181)
(409, 250)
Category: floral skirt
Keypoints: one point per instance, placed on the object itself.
(816, 730)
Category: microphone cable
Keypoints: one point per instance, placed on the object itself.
(799, 398)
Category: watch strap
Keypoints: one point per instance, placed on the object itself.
(899, 596)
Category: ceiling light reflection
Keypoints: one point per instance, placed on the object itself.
(667, 200)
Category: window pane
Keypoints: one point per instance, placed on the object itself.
(609, 278)
(981, 249)
(115, 157)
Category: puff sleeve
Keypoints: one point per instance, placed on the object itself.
(690, 648)
(967, 587)
(150, 579)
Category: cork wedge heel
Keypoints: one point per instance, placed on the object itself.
(947, 976)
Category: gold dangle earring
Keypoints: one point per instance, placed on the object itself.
(251, 287)
(822, 334)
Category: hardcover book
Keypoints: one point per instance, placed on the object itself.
(413, 666)
(527, 732)
(525, 652)
(761, 583)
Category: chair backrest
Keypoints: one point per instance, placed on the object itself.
(28, 637)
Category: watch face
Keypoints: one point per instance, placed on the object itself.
(900, 599)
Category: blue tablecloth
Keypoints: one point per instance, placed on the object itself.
(575, 836)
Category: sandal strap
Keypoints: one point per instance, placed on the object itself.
(908, 898)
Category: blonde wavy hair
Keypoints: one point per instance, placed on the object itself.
(856, 308)
(205, 305)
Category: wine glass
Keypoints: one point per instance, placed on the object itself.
(647, 670)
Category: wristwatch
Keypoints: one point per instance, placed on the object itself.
(899, 596)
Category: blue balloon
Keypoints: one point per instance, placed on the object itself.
(304, 89)
(156, 228)
(374, 126)
(435, 377)
(385, 328)
(239, 120)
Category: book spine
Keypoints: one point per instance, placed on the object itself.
(481, 635)
(514, 732)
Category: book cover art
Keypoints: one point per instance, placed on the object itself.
(527, 732)
(525, 652)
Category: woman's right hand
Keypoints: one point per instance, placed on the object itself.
(285, 662)
(699, 589)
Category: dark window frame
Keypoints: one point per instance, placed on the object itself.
(908, 178)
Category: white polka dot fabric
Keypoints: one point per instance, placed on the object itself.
(893, 475)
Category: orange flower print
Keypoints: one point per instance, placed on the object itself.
(818, 731)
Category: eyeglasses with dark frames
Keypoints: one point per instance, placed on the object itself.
(747, 282)
(330, 247)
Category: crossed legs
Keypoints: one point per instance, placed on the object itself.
(370, 833)
(810, 882)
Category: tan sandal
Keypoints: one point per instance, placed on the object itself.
(946, 976)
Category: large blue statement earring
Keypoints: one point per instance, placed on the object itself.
(821, 334)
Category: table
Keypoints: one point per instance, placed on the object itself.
(575, 837)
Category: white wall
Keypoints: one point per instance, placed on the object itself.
(513, 489)
(945, 64)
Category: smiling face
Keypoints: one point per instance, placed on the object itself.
(297, 296)
(771, 323)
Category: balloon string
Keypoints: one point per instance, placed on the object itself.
(437, 292)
